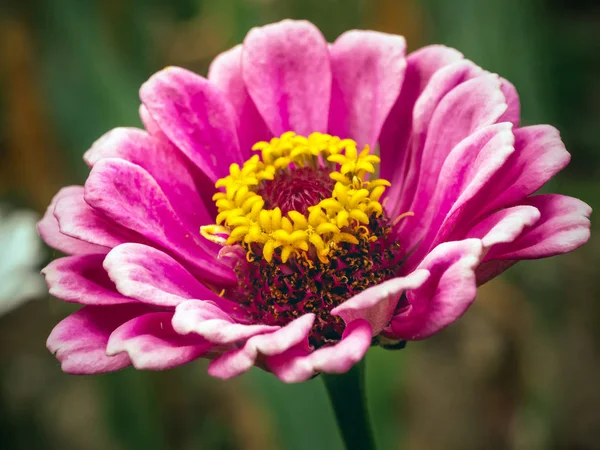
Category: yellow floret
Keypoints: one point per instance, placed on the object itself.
(242, 216)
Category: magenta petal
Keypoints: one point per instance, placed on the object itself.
(295, 366)
(564, 226)
(79, 341)
(405, 178)
(470, 106)
(238, 361)
(225, 72)
(505, 225)
(196, 117)
(152, 277)
(152, 344)
(51, 234)
(163, 162)
(287, 72)
(456, 200)
(79, 220)
(206, 319)
(513, 110)
(396, 131)
(376, 304)
(131, 197)
(81, 279)
(539, 155)
(368, 69)
(445, 296)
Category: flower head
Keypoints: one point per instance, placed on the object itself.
(253, 222)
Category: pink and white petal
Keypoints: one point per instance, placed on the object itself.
(445, 296)
(153, 277)
(206, 319)
(368, 70)
(151, 343)
(295, 366)
(539, 155)
(406, 175)
(505, 225)
(376, 304)
(456, 200)
(79, 220)
(81, 279)
(196, 117)
(470, 106)
(129, 196)
(51, 234)
(79, 341)
(513, 112)
(564, 226)
(396, 131)
(225, 72)
(163, 162)
(241, 360)
(287, 71)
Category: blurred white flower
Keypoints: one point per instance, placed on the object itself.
(21, 252)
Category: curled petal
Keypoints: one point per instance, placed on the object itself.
(445, 296)
(151, 343)
(376, 304)
(81, 279)
(297, 365)
(50, 232)
(238, 361)
(131, 197)
(206, 319)
(79, 341)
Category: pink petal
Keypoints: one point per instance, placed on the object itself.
(470, 106)
(445, 296)
(152, 344)
(513, 111)
(150, 125)
(50, 233)
(79, 220)
(238, 361)
(376, 304)
(505, 225)
(163, 162)
(405, 178)
(395, 134)
(540, 154)
(295, 366)
(81, 279)
(79, 341)
(196, 117)
(564, 226)
(225, 72)
(206, 319)
(456, 199)
(287, 72)
(152, 277)
(129, 196)
(368, 69)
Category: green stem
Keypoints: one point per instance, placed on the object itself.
(347, 395)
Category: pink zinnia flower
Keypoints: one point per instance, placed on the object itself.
(296, 257)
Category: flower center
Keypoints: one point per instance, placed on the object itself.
(311, 226)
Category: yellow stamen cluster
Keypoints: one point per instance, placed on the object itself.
(244, 220)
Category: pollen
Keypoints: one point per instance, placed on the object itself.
(298, 197)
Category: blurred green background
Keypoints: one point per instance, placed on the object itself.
(520, 371)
